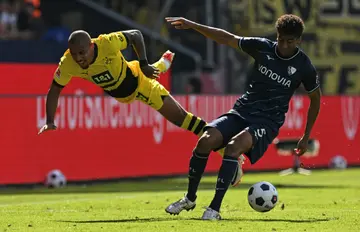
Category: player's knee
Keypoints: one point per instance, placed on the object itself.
(172, 111)
(210, 140)
(232, 149)
(238, 145)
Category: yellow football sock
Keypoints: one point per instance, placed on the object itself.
(193, 124)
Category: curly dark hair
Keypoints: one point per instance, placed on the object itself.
(290, 24)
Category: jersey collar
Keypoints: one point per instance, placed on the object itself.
(298, 51)
(95, 53)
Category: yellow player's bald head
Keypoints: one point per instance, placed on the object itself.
(81, 48)
(79, 37)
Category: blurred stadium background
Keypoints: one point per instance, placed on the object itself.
(98, 139)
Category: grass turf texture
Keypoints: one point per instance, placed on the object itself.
(324, 201)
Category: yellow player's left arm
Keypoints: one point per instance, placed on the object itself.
(122, 39)
(136, 40)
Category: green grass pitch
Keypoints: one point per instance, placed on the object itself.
(324, 201)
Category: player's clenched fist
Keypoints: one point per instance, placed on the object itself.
(49, 126)
(180, 22)
(302, 146)
(150, 71)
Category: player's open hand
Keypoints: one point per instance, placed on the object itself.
(301, 146)
(150, 71)
(47, 127)
(180, 22)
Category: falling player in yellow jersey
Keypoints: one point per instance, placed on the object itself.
(100, 61)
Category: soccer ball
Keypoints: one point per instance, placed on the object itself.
(55, 179)
(338, 162)
(262, 196)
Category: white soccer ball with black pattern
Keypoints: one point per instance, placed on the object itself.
(55, 179)
(262, 196)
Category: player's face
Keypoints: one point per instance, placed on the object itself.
(81, 54)
(287, 44)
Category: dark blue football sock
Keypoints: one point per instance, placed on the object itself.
(197, 166)
(226, 174)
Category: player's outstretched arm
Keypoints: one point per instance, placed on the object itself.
(136, 40)
(51, 106)
(219, 35)
(313, 112)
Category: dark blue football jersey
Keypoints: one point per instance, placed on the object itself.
(272, 82)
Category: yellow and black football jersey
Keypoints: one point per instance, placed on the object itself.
(110, 70)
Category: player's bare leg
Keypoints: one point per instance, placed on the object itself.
(176, 114)
(171, 109)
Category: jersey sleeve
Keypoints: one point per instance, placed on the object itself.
(62, 75)
(252, 45)
(118, 40)
(311, 79)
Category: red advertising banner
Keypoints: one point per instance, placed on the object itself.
(36, 79)
(98, 138)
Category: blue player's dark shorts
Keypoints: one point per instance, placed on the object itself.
(231, 124)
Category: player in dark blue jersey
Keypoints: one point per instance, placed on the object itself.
(254, 121)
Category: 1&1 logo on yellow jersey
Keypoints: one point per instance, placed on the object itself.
(102, 78)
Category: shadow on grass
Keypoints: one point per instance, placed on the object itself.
(147, 220)
(144, 186)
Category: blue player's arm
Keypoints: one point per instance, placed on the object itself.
(250, 45)
(312, 86)
(219, 35)
(311, 83)
(313, 111)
